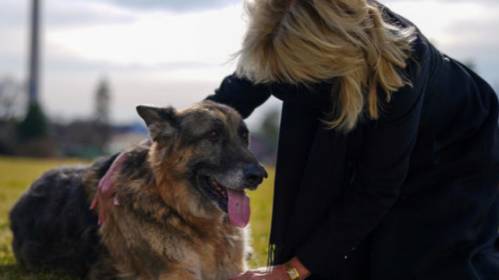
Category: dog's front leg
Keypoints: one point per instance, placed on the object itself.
(181, 274)
(103, 269)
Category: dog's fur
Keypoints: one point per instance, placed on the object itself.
(168, 225)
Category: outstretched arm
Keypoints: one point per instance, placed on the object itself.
(241, 94)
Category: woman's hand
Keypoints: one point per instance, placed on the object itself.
(278, 272)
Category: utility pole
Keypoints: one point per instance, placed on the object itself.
(35, 125)
(34, 55)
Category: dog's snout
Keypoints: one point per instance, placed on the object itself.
(254, 175)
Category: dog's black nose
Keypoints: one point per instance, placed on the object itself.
(254, 174)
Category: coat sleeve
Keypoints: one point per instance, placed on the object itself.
(379, 174)
(241, 94)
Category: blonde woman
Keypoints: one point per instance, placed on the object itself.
(388, 161)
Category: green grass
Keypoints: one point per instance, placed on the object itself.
(17, 174)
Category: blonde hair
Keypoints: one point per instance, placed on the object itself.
(308, 41)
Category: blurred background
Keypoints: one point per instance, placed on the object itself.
(72, 71)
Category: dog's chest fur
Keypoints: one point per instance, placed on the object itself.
(141, 248)
(152, 234)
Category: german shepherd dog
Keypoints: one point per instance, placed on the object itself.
(180, 206)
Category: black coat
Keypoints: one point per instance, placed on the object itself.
(413, 195)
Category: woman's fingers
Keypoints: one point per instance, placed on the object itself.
(249, 275)
(243, 276)
(263, 274)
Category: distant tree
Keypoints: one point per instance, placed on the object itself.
(34, 126)
(102, 102)
(12, 99)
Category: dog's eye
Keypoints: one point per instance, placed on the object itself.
(214, 135)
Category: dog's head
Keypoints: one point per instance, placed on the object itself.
(206, 147)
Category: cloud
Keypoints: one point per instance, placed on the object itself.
(184, 5)
(173, 5)
(463, 29)
(54, 13)
(80, 12)
(446, 1)
(476, 40)
(13, 13)
(153, 38)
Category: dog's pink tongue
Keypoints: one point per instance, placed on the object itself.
(239, 208)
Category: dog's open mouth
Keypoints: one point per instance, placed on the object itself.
(234, 202)
(217, 192)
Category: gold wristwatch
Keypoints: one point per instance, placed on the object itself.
(292, 272)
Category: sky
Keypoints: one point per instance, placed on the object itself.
(176, 52)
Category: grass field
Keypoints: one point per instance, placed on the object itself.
(17, 174)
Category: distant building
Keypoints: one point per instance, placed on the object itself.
(103, 102)
(81, 138)
(125, 136)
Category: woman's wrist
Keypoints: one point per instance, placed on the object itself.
(302, 270)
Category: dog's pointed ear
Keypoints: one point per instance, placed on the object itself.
(161, 122)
